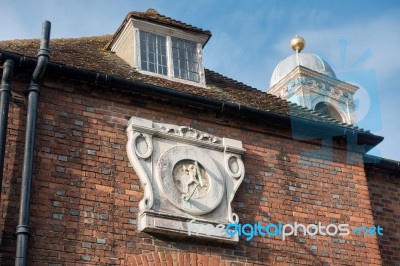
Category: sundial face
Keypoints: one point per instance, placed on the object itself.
(190, 179)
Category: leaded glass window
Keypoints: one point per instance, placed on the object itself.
(185, 59)
(153, 53)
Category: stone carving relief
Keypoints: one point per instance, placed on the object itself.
(190, 177)
(189, 132)
(318, 86)
(186, 175)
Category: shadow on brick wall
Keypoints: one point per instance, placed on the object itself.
(384, 192)
(10, 197)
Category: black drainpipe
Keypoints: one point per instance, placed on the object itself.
(23, 228)
(5, 92)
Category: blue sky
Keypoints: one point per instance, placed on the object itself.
(359, 39)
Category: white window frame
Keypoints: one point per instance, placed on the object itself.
(168, 33)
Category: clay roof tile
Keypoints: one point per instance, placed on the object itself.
(90, 53)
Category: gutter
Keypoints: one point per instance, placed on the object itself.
(5, 93)
(311, 127)
(23, 228)
(382, 163)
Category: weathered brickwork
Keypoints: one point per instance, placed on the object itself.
(85, 194)
(384, 188)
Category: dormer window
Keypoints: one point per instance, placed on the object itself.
(160, 46)
(157, 52)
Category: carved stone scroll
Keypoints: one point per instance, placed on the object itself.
(187, 175)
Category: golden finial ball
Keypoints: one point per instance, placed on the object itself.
(297, 43)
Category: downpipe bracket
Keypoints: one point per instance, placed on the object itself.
(23, 229)
(44, 52)
(33, 88)
(5, 87)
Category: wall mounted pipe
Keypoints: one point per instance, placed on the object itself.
(23, 228)
(5, 93)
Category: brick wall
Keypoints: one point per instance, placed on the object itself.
(384, 187)
(85, 195)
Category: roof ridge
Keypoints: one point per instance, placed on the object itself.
(57, 39)
(154, 16)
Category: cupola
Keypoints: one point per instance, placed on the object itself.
(308, 80)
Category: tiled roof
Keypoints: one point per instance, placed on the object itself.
(89, 53)
(153, 16)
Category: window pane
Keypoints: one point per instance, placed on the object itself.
(192, 67)
(151, 47)
(144, 65)
(143, 55)
(165, 70)
(151, 68)
(164, 60)
(181, 54)
(176, 68)
(143, 45)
